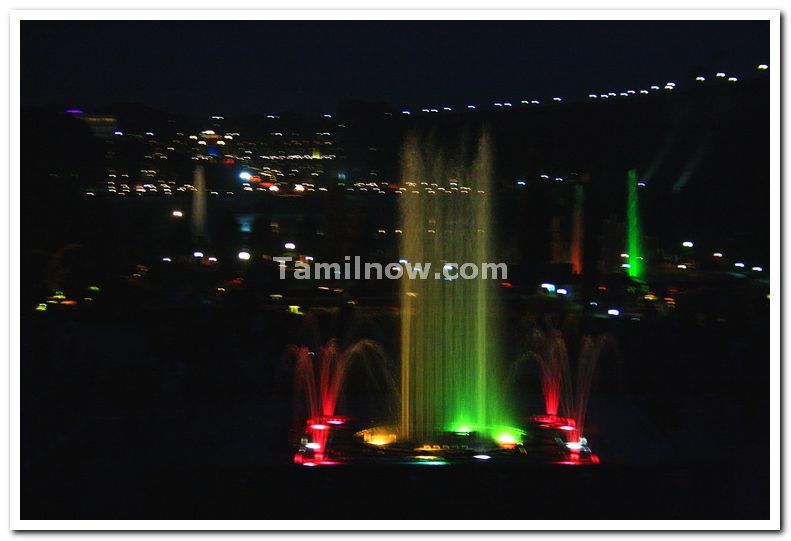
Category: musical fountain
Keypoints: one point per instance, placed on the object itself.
(453, 401)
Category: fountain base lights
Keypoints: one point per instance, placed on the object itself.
(542, 440)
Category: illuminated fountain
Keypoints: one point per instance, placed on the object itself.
(634, 235)
(320, 377)
(450, 374)
(566, 402)
(453, 401)
(199, 206)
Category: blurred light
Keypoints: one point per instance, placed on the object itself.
(506, 439)
(574, 446)
(313, 445)
(318, 427)
(720, 74)
(654, 87)
(562, 291)
(290, 246)
(624, 255)
(687, 244)
(626, 265)
(682, 266)
(592, 96)
(166, 260)
(470, 107)
(557, 99)
(212, 259)
(197, 254)
(613, 312)
(567, 428)
(405, 113)
(758, 269)
(244, 175)
(118, 133)
(717, 254)
(42, 307)
(274, 188)
(481, 457)
(699, 78)
(760, 67)
(244, 256)
(299, 188)
(740, 265)
(732, 79)
(549, 287)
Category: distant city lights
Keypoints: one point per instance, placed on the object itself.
(290, 246)
(549, 287)
(758, 269)
(562, 291)
(688, 244)
(177, 214)
(244, 255)
(197, 254)
(717, 254)
(740, 265)
(613, 312)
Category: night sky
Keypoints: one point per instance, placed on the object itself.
(266, 67)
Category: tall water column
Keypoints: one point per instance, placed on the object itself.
(450, 374)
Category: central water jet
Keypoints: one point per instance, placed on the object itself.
(450, 370)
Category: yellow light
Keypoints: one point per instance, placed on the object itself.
(506, 439)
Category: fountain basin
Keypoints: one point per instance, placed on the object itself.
(542, 440)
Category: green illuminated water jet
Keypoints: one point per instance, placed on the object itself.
(450, 375)
(634, 236)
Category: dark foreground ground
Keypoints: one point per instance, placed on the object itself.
(149, 411)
